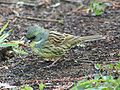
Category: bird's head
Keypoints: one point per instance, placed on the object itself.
(36, 34)
(33, 32)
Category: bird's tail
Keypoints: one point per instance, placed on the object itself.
(91, 38)
(80, 40)
(77, 40)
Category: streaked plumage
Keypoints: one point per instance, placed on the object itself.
(51, 44)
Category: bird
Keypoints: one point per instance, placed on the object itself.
(51, 45)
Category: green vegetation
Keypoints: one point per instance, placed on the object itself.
(4, 35)
(106, 77)
(97, 8)
(26, 88)
(109, 81)
(41, 87)
(99, 83)
(5, 43)
(102, 81)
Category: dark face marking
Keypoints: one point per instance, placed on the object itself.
(31, 38)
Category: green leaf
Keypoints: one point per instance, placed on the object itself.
(97, 76)
(92, 89)
(103, 88)
(77, 88)
(107, 77)
(117, 88)
(98, 12)
(118, 65)
(8, 44)
(3, 28)
(11, 43)
(3, 37)
(110, 66)
(97, 8)
(19, 51)
(118, 81)
(26, 88)
(41, 86)
(97, 66)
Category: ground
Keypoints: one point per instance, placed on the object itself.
(79, 61)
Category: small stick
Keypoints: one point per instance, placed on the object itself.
(3, 2)
(39, 19)
(24, 4)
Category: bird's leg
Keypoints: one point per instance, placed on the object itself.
(53, 63)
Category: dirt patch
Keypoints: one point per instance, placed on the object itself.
(80, 60)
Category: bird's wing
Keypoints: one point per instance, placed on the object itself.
(49, 50)
(56, 38)
(59, 39)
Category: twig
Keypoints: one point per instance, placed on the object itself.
(39, 19)
(6, 67)
(22, 3)
(74, 1)
(3, 2)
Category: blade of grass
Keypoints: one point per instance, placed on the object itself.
(4, 36)
(3, 28)
(8, 44)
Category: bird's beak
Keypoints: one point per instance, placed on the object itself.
(26, 41)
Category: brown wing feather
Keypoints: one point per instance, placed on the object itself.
(62, 40)
(56, 38)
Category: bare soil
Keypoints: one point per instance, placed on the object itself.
(79, 61)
